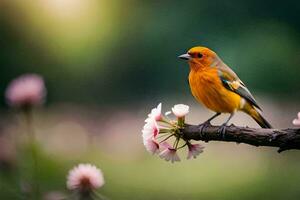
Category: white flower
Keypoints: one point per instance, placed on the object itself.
(296, 121)
(85, 177)
(180, 110)
(194, 150)
(155, 114)
(169, 153)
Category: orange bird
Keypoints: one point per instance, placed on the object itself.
(218, 88)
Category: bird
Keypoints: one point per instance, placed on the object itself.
(217, 87)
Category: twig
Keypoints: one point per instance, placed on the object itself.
(284, 139)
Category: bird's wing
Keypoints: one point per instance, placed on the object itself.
(232, 82)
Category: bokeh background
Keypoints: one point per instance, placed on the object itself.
(107, 63)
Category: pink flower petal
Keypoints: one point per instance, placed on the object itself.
(155, 113)
(150, 130)
(296, 122)
(169, 153)
(151, 146)
(194, 150)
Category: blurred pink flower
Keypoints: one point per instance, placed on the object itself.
(180, 110)
(296, 121)
(85, 177)
(169, 153)
(26, 90)
(151, 145)
(194, 150)
(155, 114)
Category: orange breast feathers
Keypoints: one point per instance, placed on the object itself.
(207, 88)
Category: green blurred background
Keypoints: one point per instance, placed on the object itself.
(107, 63)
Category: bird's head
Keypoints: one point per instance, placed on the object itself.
(200, 57)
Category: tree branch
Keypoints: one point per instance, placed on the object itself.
(285, 139)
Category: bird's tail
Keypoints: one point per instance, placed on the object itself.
(257, 116)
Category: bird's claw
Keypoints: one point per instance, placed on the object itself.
(203, 126)
(222, 130)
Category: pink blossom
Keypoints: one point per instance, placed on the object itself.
(169, 153)
(194, 150)
(180, 110)
(150, 130)
(85, 177)
(155, 114)
(26, 90)
(151, 145)
(296, 121)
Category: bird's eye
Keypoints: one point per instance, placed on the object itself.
(199, 55)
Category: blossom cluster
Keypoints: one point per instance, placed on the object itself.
(163, 136)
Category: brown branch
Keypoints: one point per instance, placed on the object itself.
(285, 139)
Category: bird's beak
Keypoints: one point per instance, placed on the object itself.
(185, 56)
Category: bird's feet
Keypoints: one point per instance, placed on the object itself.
(203, 126)
(222, 130)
